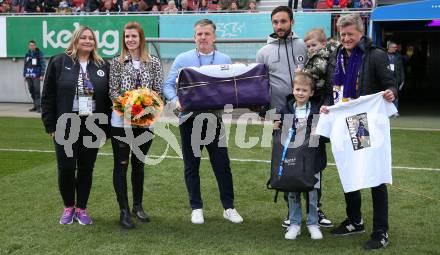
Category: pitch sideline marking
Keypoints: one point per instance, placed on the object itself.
(231, 159)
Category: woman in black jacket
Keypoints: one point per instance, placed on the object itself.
(75, 90)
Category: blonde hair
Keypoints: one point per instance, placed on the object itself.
(350, 19)
(144, 56)
(304, 77)
(72, 49)
(316, 33)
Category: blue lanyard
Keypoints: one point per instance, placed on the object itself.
(200, 58)
(292, 132)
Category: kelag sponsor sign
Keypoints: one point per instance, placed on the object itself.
(53, 33)
(238, 25)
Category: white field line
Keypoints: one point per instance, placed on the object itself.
(231, 159)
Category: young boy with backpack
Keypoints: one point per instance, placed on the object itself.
(302, 156)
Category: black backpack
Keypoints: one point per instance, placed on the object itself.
(293, 167)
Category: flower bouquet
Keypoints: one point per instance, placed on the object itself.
(139, 107)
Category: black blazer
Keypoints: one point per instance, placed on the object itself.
(60, 86)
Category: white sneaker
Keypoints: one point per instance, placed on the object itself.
(292, 232)
(315, 232)
(197, 216)
(232, 215)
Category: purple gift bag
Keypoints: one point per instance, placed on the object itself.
(211, 87)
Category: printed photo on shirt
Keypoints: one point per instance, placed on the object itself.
(358, 130)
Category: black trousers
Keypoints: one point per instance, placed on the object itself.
(75, 173)
(219, 161)
(121, 156)
(380, 207)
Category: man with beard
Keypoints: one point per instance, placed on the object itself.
(283, 54)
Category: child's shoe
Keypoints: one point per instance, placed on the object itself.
(315, 232)
(292, 232)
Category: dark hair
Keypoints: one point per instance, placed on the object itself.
(32, 41)
(205, 22)
(282, 9)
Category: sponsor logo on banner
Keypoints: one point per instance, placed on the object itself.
(108, 41)
(53, 33)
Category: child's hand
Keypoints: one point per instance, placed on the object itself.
(324, 109)
(276, 125)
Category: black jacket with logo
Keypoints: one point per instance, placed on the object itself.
(60, 85)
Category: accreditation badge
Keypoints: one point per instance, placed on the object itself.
(338, 94)
(34, 61)
(85, 105)
(392, 67)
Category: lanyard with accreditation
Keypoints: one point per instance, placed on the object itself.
(85, 101)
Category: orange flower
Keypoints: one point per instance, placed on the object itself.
(122, 100)
(148, 100)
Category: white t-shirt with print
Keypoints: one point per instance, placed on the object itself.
(359, 131)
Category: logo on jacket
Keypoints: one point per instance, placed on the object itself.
(100, 73)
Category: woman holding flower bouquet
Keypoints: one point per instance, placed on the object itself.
(135, 84)
(76, 84)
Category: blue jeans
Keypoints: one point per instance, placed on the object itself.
(295, 207)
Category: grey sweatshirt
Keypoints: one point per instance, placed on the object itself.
(282, 57)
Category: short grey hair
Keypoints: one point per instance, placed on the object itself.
(205, 22)
(350, 19)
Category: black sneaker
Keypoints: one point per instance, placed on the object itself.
(285, 223)
(323, 221)
(378, 240)
(348, 227)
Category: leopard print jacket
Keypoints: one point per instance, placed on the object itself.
(123, 76)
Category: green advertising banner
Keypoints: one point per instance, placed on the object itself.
(53, 33)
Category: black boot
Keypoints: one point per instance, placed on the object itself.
(139, 213)
(125, 219)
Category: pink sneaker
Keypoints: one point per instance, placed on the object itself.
(83, 217)
(68, 215)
